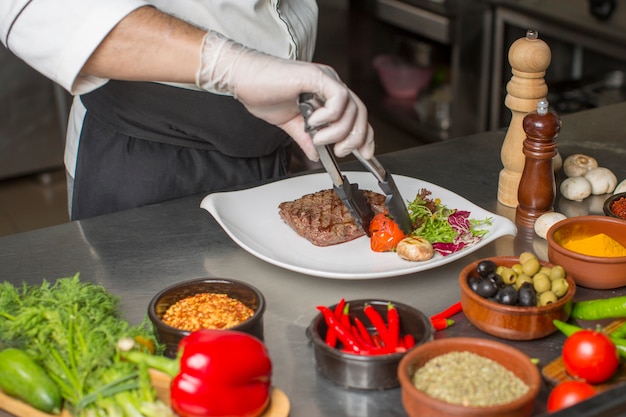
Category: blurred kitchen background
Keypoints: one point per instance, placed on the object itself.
(428, 70)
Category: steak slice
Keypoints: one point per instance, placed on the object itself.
(323, 219)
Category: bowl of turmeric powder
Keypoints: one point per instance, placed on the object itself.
(592, 249)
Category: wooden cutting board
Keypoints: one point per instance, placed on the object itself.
(555, 372)
(279, 402)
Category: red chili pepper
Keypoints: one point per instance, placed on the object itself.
(379, 323)
(441, 323)
(393, 325)
(331, 336)
(344, 335)
(450, 311)
(362, 330)
(409, 341)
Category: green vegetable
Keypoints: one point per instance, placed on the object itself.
(23, 378)
(605, 308)
(71, 328)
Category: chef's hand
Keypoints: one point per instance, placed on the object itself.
(269, 88)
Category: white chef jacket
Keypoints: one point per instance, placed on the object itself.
(56, 37)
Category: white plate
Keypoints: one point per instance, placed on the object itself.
(250, 217)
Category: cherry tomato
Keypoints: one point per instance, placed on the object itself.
(384, 233)
(568, 393)
(590, 355)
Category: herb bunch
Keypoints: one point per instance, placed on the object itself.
(72, 328)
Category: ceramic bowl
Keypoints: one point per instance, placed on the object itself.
(246, 293)
(609, 201)
(365, 372)
(512, 322)
(589, 271)
(417, 403)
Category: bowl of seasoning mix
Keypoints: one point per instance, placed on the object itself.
(375, 365)
(615, 206)
(207, 303)
(465, 376)
(592, 249)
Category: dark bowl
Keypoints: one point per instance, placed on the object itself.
(601, 273)
(364, 372)
(417, 403)
(241, 291)
(513, 322)
(609, 201)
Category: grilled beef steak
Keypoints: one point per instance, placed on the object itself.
(323, 219)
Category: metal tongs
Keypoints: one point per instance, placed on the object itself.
(352, 197)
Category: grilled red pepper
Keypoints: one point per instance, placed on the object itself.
(217, 373)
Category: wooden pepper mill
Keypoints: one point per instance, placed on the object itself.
(529, 58)
(537, 187)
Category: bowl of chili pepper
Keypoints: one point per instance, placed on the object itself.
(615, 206)
(359, 343)
(206, 303)
(592, 249)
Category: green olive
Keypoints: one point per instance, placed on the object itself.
(545, 270)
(545, 298)
(531, 266)
(557, 272)
(541, 283)
(517, 268)
(499, 269)
(559, 287)
(525, 256)
(508, 275)
(521, 279)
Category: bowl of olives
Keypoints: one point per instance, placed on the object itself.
(516, 298)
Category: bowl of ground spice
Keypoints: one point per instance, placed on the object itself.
(592, 249)
(208, 303)
(615, 206)
(466, 376)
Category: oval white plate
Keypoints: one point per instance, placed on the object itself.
(250, 217)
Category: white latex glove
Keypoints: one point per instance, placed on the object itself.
(269, 88)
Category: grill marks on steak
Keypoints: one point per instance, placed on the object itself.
(323, 219)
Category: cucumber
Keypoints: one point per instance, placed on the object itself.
(23, 378)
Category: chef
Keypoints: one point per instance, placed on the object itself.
(173, 98)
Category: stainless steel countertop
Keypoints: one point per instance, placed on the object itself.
(136, 253)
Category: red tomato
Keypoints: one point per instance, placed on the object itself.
(569, 393)
(590, 355)
(384, 233)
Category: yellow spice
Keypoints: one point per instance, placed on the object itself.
(596, 245)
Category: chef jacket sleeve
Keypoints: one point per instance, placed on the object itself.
(57, 37)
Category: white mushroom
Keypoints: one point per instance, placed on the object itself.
(577, 165)
(621, 187)
(602, 180)
(576, 188)
(545, 221)
(415, 248)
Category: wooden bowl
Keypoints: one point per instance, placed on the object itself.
(512, 322)
(417, 403)
(594, 272)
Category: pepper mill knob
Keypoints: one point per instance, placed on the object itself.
(529, 58)
(537, 187)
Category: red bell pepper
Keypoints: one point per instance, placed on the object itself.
(217, 373)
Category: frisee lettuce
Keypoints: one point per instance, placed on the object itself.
(448, 230)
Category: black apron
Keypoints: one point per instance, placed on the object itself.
(143, 143)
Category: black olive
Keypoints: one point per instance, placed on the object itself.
(473, 282)
(527, 296)
(496, 278)
(507, 295)
(486, 267)
(486, 288)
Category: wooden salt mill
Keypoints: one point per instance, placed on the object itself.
(529, 58)
(537, 187)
